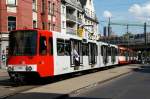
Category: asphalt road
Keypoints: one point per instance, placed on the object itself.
(135, 85)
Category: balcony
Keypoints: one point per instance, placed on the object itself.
(71, 17)
(90, 15)
(75, 3)
(71, 31)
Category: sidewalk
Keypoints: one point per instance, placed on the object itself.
(3, 72)
(63, 88)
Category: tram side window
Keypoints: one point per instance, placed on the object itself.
(121, 52)
(43, 46)
(67, 48)
(85, 49)
(109, 51)
(63, 47)
(116, 51)
(113, 51)
(60, 47)
(102, 50)
(50, 46)
(96, 50)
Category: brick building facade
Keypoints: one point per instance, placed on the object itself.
(19, 14)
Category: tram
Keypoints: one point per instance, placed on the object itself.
(42, 53)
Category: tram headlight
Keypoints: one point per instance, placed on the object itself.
(28, 68)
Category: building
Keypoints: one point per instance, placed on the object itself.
(110, 31)
(90, 19)
(139, 38)
(19, 14)
(105, 31)
(72, 16)
(79, 18)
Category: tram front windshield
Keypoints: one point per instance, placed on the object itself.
(23, 43)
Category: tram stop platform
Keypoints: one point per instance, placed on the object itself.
(3, 73)
(62, 89)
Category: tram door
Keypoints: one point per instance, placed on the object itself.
(45, 53)
(76, 53)
(92, 53)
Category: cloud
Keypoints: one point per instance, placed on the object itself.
(141, 12)
(107, 14)
(135, 9)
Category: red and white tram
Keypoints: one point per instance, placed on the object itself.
(42, 53)
(46, 53)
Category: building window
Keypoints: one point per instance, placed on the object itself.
(53, 27)
(11, 23)
(34, 24)
(43, 26)
(53, 9)
(43, 6)
(11, 2)
(34, 5)
(49, 7)
(49, 26)
(63, 24)
(63, 9)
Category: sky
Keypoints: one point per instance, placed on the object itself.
(123, 11)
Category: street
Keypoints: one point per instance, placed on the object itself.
(132, 86)
(61, 89)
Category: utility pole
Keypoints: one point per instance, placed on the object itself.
(145, 34)
(1, 16)
(109, 27)
(127, 36)
(127, 28)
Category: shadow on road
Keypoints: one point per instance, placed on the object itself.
(36, 95)
(143, 69)
(87, 98)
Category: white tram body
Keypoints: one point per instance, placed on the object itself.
(92, 54)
